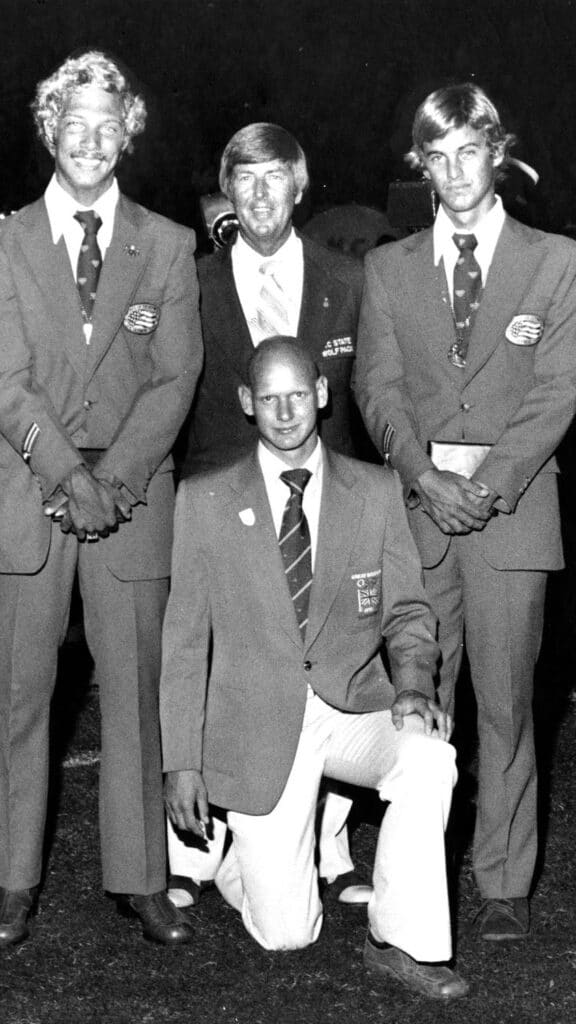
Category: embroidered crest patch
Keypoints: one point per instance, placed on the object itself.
(142, 318)
(338, 347)
(525, 329)
(368, 591)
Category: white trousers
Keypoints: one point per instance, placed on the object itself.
(269, 873)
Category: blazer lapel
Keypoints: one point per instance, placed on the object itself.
(257, 545)
(53, 275)
(426, 290)
(227, 321)
(124, 264)
(513, 266)
(341, 512)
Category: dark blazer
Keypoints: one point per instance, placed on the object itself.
(235, 670)
(519, 398)
(125, 392)
(219, 432)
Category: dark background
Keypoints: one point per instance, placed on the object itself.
(343, 75)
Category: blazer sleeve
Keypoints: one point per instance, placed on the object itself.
(28, 419)
(408, 623)
(379, 383)
(539, 423)
(185, 641)
(148, 431)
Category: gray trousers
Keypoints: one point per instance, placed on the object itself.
(123, 623)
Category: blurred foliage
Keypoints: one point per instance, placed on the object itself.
(344, 75)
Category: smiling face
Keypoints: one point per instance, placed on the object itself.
(284, 401)
(89, 140)
(264, 196)
(462, 171)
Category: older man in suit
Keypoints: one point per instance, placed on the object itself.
(274, 281)
(466, 380)
(288, 569)
(100, 350)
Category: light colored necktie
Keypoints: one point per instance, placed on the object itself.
(295, 545)
(273, 311)
(466, 300)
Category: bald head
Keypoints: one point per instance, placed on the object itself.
(284, 395)
(281, 350)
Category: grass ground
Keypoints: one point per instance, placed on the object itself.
(86, 965)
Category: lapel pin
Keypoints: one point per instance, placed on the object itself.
(131, 250)
(326, 302)
(247, 516)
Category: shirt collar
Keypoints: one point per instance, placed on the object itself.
(272, 466)
(487, 231)
(61, 206)
(248, 256)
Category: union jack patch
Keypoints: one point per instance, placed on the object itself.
(142, 318)
(368, 591)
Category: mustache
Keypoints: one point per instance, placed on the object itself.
(84, 154)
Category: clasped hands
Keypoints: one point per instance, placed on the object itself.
(456, 504)
(87, 505)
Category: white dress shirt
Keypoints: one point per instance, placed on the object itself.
(61, 207)
(487, 233)
(278, 492)
(288, 272)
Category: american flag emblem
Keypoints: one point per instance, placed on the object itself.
(142, 318)
(526, 329)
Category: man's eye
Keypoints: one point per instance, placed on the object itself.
(112, 129)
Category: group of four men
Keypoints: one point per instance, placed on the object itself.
(291, 562)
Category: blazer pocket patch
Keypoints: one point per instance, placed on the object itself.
(525, 329)
(142, 318)
(368, 587)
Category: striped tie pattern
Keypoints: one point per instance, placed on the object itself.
(295, 546)
(274, 307)
(467, 288)
(89, 260)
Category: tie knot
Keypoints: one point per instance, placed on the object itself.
(269, 266)
(296, 479)
(90, 221)
(466, 241)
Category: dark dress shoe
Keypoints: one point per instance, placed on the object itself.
(161, 921)
(15, 909)
(503, 920)
(350, 888)
(436, 981)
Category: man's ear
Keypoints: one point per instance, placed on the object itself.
(497, 156)
(322, 392)
(245, 396)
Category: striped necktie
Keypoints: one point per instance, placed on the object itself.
(89, 260)
(295, 546)
(467, 288)
(274, 307)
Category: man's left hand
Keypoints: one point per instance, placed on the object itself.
(412, 702)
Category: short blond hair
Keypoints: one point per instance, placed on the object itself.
(457, 106)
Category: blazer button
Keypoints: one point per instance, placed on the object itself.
(465, 406)
(87, 404)
(307, 666)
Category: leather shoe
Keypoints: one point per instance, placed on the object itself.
(437, 981)
(183, 891)
(161, 921)
(503, 920)
(350, 888)
(15, 909)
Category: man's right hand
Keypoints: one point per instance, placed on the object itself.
(186, 800)
(456, 504)
(90, 508)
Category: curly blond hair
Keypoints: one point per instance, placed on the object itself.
(90, 68)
